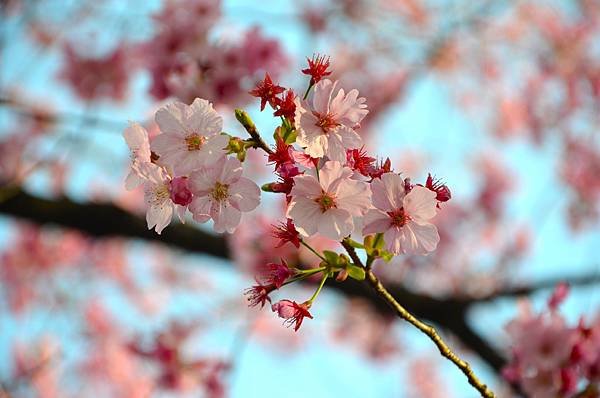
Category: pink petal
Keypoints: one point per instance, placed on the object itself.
(227, 219)
(306, 186)
(203, 119)
(244, 195)
(375, 221)
(335, 224)
(306, 215)
(420, 203)
(171, 119)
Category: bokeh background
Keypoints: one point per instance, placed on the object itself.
(500, 99)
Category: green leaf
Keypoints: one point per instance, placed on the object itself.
(387, 256)
(356, 272)
(331, 257)
(355, 244)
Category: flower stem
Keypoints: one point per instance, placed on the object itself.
(307, 91)
(305, 274)
(313, 250)
(428, 330)
(314, 296)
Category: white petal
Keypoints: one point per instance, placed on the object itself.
(419, 239)
(306, 214)
(168, 145)
(332, 174)
(227, 219)
(349, 109)
(388, 192)
(171, 119)
(354, 197)
(159, 217)
(322, 95)
(244, 195)
(350, 138)
(202, 119)
(202, 181)
(306, 186)
(231, 170)
(394, 239)
(335, 224)
(375, 221)
(335, 148)
(200, 208)
(214, 148)
(420, 203)
(136, 136)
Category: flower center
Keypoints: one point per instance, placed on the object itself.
(160, 194)
(326, 122)
(325, 201)
(194, 141)
(220, 192)
(399, 217)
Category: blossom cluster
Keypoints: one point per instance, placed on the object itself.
(332, 187)
(551, 358)
(186, 167)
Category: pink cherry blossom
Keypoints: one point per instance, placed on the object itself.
(221, 193)
(137, 140)
(403, 219)
(158, 196)
(326, 205)
(190, 136)
(327, 129)
(292, 312)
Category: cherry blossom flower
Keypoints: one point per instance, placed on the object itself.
(287, 233)
(179, 191)
(137, 140)
(442, 191)
(221, 193)
(267, 92)
(317, 68)
(157, 193)
(94, 78)
(292, 312)
(326, 205)
(403, 218)
(287, 106)
(327, 128)
(273, 273)
(259, 294)
(190, 136)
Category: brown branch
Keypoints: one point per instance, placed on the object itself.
(428, 330)
(107, 220)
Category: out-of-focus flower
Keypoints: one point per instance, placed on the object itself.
(95, 78)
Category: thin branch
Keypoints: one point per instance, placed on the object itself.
(423, 327)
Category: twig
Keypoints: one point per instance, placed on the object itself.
(423, 327)
(244, 119)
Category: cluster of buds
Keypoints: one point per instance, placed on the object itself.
(329, 181)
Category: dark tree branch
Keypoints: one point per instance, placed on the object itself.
(105, 220)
